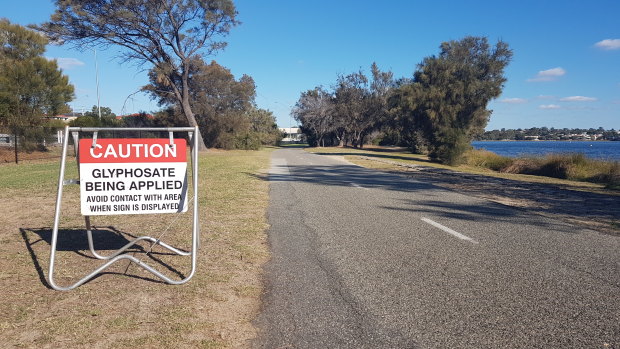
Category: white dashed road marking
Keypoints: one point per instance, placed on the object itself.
(358, 186)
(449, 231)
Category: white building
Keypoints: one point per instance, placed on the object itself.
(291, 134)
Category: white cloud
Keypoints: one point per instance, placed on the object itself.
(549, 106)
(578, 99)
(548, 75)
(608, 44)
(514, 100)
(67, 63)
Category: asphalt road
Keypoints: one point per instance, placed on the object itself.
(364, 259)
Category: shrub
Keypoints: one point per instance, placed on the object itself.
(574, 166)
(450, 147)
(487, 159)
(247, 141)
(613, 176)
(523, 166)
(564, 166)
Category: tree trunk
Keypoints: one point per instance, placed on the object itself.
(191, 119)
(341, 138)
(187, 108)
(356, 139)
(15, 146)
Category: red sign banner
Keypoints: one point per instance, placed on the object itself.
(122, 150)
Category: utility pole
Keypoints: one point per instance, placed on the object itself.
(97, 78)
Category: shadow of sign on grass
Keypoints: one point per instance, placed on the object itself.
(75, 240)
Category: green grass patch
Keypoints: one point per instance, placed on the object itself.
(34, 175)
(294, 145)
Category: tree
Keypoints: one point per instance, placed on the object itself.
(448, 98)
(168, 34)
(356, 108)
(91, 118)
(224, 106)
(351, 100)
(380, 88)
(361, 103)
(30, 85)
(263, 123)
(106, 112)
(315, 112)
(220, 101)
(402, 104)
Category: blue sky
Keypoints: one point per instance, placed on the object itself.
(565, 70)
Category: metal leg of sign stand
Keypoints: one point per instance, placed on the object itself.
(91, 244)
(118, 255)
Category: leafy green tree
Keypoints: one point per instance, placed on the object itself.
(381, 86)
(402, 104)
(447, 101)
(263, 123)
(106, 112)
(170, 117)
(30, 85)
(165, 34)
(225, 108)
(91, 118)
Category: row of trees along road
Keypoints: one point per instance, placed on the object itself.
(438, 112)
(30, 84)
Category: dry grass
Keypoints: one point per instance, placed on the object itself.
(487, 159)
(7, 155)
(574, 167)
(126, 306)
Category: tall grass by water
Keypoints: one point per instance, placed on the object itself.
(573, 166)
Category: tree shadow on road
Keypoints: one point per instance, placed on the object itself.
(376, 154)
(344, 175)
(503, 197)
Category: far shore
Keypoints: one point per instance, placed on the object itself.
(544, 140)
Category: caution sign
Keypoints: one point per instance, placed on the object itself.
(133, 176)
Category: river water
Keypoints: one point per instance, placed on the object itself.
(602, 150)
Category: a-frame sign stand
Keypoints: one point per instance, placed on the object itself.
(147, 175)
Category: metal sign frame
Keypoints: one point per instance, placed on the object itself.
(118, 254)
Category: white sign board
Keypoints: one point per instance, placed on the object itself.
(133, 176)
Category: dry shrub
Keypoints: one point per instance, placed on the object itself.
(487, 159)
(523, 166)
(572, 166)
(613, 176)
(566, 166)
(575, 167)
